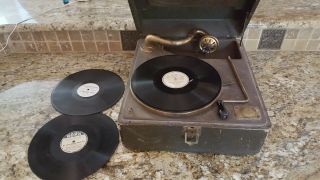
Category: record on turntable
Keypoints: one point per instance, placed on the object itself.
(72, 147)
(87, 92)
(176, 84)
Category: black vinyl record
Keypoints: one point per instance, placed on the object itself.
(175, 83)
(72, 147)
(87, 92)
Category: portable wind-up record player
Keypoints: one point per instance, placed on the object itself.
(191, 87)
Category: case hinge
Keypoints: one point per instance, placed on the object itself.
(191, 135)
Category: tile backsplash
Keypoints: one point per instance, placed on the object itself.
(255, 38)
(283, 39)
(63, 41)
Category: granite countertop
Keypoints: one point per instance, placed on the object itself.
(289, 82)
(115, 14)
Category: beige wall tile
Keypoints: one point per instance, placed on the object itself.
(18, 47)
(5, 38)
(38, 36)
(50, 35)
(251, 45)
(245, 35)
(291, 34)
(75, 36)
(115, 46)
(87, 36)
(30, 47)
(102, 46)
(300, 45)
(26, 36)
(304, 33)
(54, 47)
(42, 47)
(113, 35)
(288, 44)
(62, 35)
(90, 46)
(66, 46)
(254, 33)
(15, 36)
(313, 45)
(100, 35)
(315, 34)
(2, 38)
(77, 46)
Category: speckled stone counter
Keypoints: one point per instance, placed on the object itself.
(289, 83)
(116, 14)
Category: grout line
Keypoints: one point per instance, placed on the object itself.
(34, 42)
(107, 34)
(68, 35)
(18, 35)
(94, 40)
(4, 51)
(259, 37)
(108, 45)
(120, 38)
(9, 45)
(114, 41)
(46, 42)
(282, 41)
(120, 46)
(84, 47)
(58, 41)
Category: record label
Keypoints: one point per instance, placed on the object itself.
(88, 90)
(73, 141)
(175, 79)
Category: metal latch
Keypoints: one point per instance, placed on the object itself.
(191, 135)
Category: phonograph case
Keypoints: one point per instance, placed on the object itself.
(246, 128)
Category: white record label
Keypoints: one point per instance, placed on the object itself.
(73, 141)
(175, 79)
(88, 90)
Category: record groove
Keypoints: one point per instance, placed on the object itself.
(87, 92)
(48, 159)
(174, 83)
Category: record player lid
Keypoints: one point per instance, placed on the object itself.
(176, 18)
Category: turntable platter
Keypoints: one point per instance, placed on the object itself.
(176, 84)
